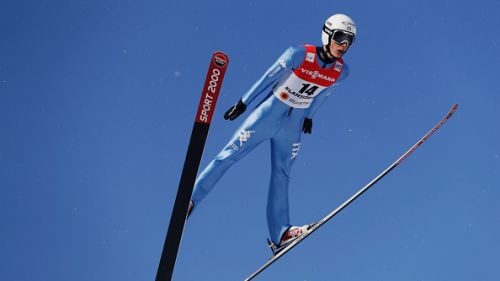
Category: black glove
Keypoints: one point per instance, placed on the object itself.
(235, 110)
(307, 126)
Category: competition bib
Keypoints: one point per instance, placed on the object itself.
(307, 81)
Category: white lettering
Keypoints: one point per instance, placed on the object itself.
(295, 150)
(207, 102)
(316, 74)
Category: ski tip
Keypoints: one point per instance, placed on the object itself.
(453, 109)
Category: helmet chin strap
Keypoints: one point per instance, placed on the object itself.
(324, 57)
(327, 55)
(327, 52)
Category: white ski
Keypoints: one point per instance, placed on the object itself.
(318, 224)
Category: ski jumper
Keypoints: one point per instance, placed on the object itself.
(300, 83)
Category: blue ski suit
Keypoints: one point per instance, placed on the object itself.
(272, 120)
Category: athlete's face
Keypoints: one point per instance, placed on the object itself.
(338, 50)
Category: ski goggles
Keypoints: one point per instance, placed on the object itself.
(339, 36)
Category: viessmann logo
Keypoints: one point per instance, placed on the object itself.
(316, 74)
(220, 60)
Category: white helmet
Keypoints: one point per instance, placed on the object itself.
(337, 22)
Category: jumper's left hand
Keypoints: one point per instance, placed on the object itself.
(307, 126)
(235, 110)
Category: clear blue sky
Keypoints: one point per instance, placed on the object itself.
(97, 101)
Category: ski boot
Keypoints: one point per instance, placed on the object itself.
(290, 235)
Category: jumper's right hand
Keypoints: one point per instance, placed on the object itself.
(235, 110)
